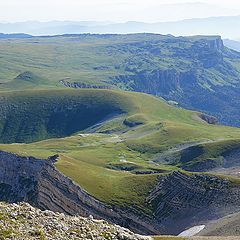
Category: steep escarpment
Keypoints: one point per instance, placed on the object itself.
(178, 200)
(191, 59)
(209, 51)
(198, 73)
(156, 82)
(39, 183)
(182, 200)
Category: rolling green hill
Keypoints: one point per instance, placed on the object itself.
(107, 141)
(196, 72)
(36, 115)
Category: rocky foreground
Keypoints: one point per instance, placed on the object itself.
(22, 221)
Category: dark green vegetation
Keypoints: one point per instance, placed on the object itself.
(109, 142)
(196, 72)
(37, 115)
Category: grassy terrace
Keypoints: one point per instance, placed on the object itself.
(109, 160)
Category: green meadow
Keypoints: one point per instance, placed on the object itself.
(107, 141)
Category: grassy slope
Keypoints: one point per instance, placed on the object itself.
(226, 226)
(131, 62)
(96, 161)
(59, 58)
(36, 115)
(96, 59)
(212, 153)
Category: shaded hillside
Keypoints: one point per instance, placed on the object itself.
(28, 116)
(37, 115)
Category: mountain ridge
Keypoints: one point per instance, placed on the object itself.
(203, 26)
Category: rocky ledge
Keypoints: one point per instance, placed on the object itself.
(22, 221)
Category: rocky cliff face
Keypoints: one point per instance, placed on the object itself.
(155, 82)
(179, 200)
(189, 200)
(41, 184)
(82, 85)
(209, 51)
(208, 119)
(204, 54)
(216, 43)
(18, 178)
(197, 72)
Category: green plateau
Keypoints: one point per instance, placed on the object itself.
(197, 73)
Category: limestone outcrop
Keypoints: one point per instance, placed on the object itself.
(42, 185)
(186, 200)
(179, 200)
(22, 221)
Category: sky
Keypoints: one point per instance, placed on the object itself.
(115, 10)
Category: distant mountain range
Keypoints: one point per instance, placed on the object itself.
(15, 35)
(201, 26)
(235, 45)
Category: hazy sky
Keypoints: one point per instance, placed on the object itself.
(115, 10)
